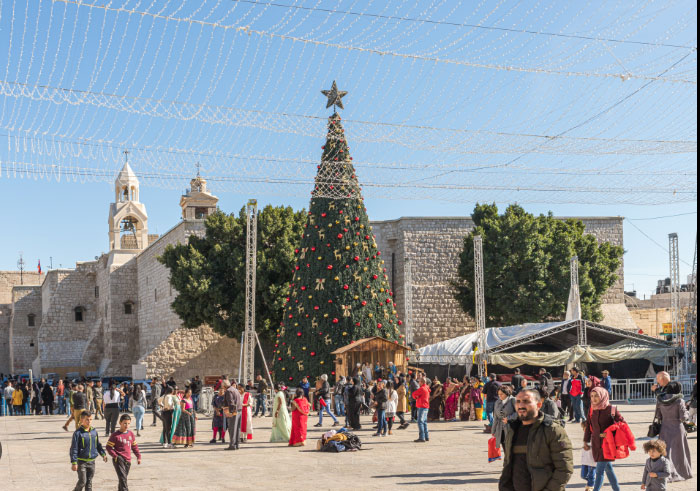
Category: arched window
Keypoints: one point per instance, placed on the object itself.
(128, 308)
(31, 320)
(79, 311)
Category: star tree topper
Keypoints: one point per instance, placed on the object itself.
(334, 96)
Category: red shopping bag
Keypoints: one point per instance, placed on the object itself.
(494, 450)
(322, 402)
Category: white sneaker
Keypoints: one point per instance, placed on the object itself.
(165, 445)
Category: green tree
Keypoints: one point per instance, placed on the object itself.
(340, 290)
(209, 272)
(527, 266)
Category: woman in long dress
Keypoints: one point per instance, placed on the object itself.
(281, 422)
(246, 415)
(451, 399)
(671, 410)
(300, 417)
(187, 422)
(436, 402)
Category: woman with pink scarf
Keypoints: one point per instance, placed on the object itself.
(602, 416)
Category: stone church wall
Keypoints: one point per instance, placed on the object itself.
(8, 280)
(433, 245)
(26, 301)
(62, 339)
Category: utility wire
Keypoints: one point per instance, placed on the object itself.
(457, 24)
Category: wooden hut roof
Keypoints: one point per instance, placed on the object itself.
(360, 342)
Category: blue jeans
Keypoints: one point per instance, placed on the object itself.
(423, 423)
(382, 426)
(327, 409)
(195, 402)
(588, 473)
(139, 411)
(577, 405)
(339, 406)
(61, 404)
(489, 412)
(605, 469)
(260, 404)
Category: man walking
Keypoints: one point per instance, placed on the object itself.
(324, 401)
(576, 386)
(7, 394)
(538, 452)
(546, 381)
(233, 405)
(517, 381)
(156, 391)
(78, 405)
(196, 388)
(338, 397)
(491, 390)
(422, 398)
(261, 389)
(98, 398)
(565, 397)
(90, 396)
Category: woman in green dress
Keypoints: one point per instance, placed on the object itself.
(281, 422)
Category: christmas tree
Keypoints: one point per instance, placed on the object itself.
(340, 291)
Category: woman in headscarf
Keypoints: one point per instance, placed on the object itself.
(451, 400)
(355, 400)
(672, 412)
(300, 417)
(602, 415)
(436, 402)
(281, 422)
(503, 412)
(591, 383)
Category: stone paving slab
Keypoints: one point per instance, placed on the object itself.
(35, 457)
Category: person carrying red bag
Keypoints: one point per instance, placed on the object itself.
(608, 436)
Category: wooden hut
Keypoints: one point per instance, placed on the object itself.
(369, 350)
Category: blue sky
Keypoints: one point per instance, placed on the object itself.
(578, 109)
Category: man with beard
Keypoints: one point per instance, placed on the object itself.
(538, 452)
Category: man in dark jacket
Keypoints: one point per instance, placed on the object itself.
(324, 401)
(413, 386)
(546, 381)
(538, 452)
(517, 381)
(196, 388)
(260, 397)
(491, 390)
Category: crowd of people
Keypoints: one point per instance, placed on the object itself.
(524, 416)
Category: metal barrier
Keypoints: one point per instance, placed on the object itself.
(205, 401)
(639, 389)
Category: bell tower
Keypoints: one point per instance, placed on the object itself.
(198, 203)
(128, 220)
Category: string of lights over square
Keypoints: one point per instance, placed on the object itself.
(340, 290)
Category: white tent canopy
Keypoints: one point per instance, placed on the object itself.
(627, 345)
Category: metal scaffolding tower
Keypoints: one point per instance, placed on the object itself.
(479, 302)
(408, 301)
(677, 325)
(249, 337)
(691, 320)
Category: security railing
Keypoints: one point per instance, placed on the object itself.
(639, 389)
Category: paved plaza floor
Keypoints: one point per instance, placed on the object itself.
(35, 457)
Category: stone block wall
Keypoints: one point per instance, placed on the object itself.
(26, 301)
(10, 279)
(433, 246)
(62, 339)
(189, 352)
(5, 316)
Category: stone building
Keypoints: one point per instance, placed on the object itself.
(106, 315)
(432, 246)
